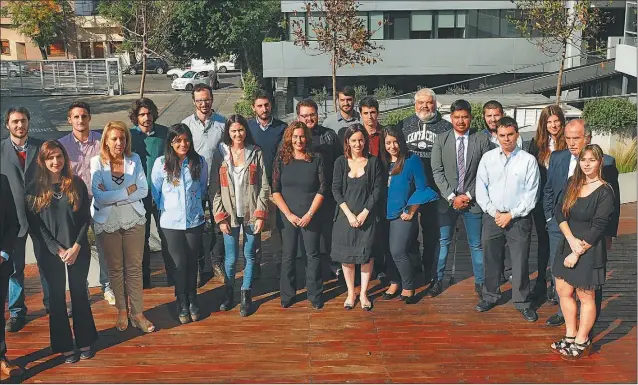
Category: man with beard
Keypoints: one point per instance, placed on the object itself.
(492, 113)
(347, 114)
(421, 130)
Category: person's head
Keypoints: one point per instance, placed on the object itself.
(307, 113)
(143, 114)
(346, 99)
(79, 116)
(179, 147)
(236, 131)
(116, 142)
(590, 167)
(461, 116)
(355, 141)
(203, 98)
(53, 167)
(492, 113)
(507, 134)
(262, 105)
(577, 136)
(550, 124)
(16, 119)
(297, 137)
(369, 111)
(394, 146)
(425, 103)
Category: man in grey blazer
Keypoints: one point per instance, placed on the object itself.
(18, 163)
(455, 158)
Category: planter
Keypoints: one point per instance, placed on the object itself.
(628, 187)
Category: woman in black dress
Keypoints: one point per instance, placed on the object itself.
(357, 188)
(582, 214)
(58, 204)
(298, 186)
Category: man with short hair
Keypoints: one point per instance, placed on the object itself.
(561, 167)
(148, 140)
(455, 159)
(492, 113)
(207, 127)
(81, 145)
(346, 114)
(421, 130)
(18, 162)
(507, 189)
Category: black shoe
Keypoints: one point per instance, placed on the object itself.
(15, 324)
(246, 303)
(287, 304)
(478, 289)
(87, 354)
(71, 359)
(555, 320)
(193, 306)
(182, 309)
(483, 305)
(227, 304)
(388, 296)
(317, 305)
(436, 289)
(529, 314)
(408, 300)
(256, 271)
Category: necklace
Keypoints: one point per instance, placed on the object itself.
(590, 182)
(57, 195)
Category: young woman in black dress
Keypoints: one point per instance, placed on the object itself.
(357, 188)
(582, 215)
(58, 204)
(298, 186)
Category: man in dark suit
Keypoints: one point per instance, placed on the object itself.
(455, 158)
(9, 227)
(561, 166)
(18, 155)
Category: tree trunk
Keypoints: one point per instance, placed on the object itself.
(43, 52)
(334, 81)
(144, 50)
(559, 82)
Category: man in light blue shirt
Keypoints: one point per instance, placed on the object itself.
(507, 190)
(347, 114)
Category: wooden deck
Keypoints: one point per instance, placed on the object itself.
(440, 340)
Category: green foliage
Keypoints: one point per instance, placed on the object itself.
(611, 116)
(272, 39)
(478, 123)
(625, 157)
(384, 92)
(244, 107)
(360, 92)
(250, 86)
(319, 95)
(394, 117)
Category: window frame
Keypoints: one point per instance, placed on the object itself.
(8, 50)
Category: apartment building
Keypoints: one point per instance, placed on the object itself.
(627, 51)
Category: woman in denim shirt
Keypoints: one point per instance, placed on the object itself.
(407, 189)
(179, 182)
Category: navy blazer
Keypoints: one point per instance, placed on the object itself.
(557, 180)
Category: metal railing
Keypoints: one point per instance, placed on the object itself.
(61, 77)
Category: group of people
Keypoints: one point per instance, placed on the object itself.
(349, 193)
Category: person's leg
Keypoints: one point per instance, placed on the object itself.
(59, 326)
(473, 228)
(249, 256)
(176, 245)
(169, 266)
(314, 280)
(105, 281)
(327, 221)
(146, 257)
(193, 244)
(37, 244)
(566, 294)
(287, 284)
(555, 237)
(518, 237)
(348, 275)
(83, 324)
(587, 314)
(430, 230)
(231, 248)
(17, 307)
(132, 245)
(540, 287)
(447, 223)
(380, 250)
(493, 242)
(113, 251)
(366, 273)
(402, 234)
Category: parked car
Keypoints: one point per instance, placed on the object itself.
(153, 64)
(226, 66)
(190, 78)
(175, 73)
(12, 69)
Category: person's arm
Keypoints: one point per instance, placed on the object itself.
(97, 179)
(337, 181)
(10, 222)
(276, 194)
(482, 194)
(203, 178)
(610, 174)
(528, 200)
(140, 181)
(84, 213)
(261, 212)
(214, 189)
(318, 199)
(548, 191)
(438, 170)
(422, 193)
(157, 180)
(37, 224)
(561, 220)
(484, 145)
(377, 186)
(601, 218)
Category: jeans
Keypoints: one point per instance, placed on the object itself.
(152, 212)
(473, 223)
(400, 267)
(231, 245)
(17, 307)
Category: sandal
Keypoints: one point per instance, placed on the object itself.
(122, 321)
(144, 324)
(576, 351)
(561, 344)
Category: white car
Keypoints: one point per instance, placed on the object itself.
(12, 69)
(226, 66)
(175, 73)
(190, 78)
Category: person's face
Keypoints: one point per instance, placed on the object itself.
(18, 125)
(507, 137)
(370, 116)
(309, 116)
(203, 101)
(492, 116)
(575, 138)
(299, 139)
(116, 142)
(554, 125)
(181, 144)
(589, 164)
(79, 119)
(356, 143)
(237, 133)
(145, 119)
(55, 161)
(461, 120)
(392, 145)
(346, 103)
(424, 107)
(262, 108)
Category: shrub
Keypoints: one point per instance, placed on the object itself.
(625, 157)
(478, 123)
(243, 107)
(250, 85)
(319, 95)
(611, 116)
(360, 92)
(394, 117)
(384, 92)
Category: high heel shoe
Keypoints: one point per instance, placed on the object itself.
(347, 305)
(367, 306)
(122, 321)
(144, 325)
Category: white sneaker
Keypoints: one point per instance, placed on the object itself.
(109, 296)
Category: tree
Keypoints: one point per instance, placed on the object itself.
(551, 27)
(42, 21)
(340, 33)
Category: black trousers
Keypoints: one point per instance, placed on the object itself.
(429, 223)
(83, 324)
(325, 216)
(381, 248)
(287, 282)
(400, 267)
(6, 269)
(517, 236)
(151, 212)
(543, 242)
(184, 247)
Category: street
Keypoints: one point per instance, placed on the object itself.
(162, 83)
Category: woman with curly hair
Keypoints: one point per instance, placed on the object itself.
(299, 186)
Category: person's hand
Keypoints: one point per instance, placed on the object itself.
(1, 260)
(224, 227)
(571, 260)
(72, 254)
(305, 220)
(131, 189)
(503, 219)
(352, 219)
(608, 242)
(461, 202)
(407, 216)
(576, 245)
(101, 187)
(293, 219)
(259, 225)
(361, 218)
(62, 253)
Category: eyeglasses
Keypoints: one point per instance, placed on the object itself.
(308, 115)
(202, 101)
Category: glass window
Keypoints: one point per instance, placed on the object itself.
(56, 49)
(488, 23)
(471, 25)
(5, 49)
(461, 17)
(399, 27)
(376, 25)
(446, 25)
(313, 23)
(292, 25)
(630, 24)
(363, 16)
(508, 29)
(421, 26)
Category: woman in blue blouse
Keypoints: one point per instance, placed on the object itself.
(179, 182)
(407, 189)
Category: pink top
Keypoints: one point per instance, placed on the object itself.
(80, 154)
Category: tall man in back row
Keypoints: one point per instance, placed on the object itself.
(347, 113)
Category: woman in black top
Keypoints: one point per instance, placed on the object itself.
(58, 211)
(582, 215)
(357, 189)
(298, 186)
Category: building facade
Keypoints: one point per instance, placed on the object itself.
(627, 51)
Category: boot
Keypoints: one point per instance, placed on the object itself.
(218, 273)
(182, 309)
(246, 303)
(193, 306)
(228, 298)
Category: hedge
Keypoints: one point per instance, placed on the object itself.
(611, 116)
